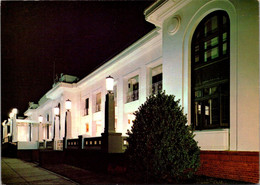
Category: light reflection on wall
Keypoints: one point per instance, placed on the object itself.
(22, 132)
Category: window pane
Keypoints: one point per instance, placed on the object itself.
(224, 48)
(211, 54)
(98, 102)
(215, 111)
(133, 89)
(213, 90)
(197, 58)
(208, 117)
(198, 94)
(211, 43)
(211, 25)
(224, 37)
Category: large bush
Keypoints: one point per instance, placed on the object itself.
(161, 145)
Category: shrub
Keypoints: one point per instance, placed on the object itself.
(161, 145)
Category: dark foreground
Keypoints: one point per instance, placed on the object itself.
(16, 171)
(83, 176)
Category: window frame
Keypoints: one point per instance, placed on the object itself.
(199, 73)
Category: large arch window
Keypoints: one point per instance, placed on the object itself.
(210, 72)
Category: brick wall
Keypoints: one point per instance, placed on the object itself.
(240, 166)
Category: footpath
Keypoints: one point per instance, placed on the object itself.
(16, 171)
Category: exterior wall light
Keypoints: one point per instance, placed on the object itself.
(11, 115)
(15, 111)
(56, 111)
(68, 105)
(109, 84)
(40, 118)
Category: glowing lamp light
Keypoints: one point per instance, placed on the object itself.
(11, 115)
(40, 118)
(56, 110)
(15, 111)
(68, 104)
(109, 83)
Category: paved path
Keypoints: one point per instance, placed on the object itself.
(16, 171)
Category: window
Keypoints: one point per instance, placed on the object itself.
(86, 109)
(156, 85)
(87, 127)
(47, 117)
(210, 71)
(133, 89)
(98, 102)
(48, 131)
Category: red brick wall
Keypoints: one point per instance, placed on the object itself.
(240, 166)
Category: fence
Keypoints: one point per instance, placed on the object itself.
(73, 144)
(42, 145)
(50, 145)
(59, 145)
(92, 143)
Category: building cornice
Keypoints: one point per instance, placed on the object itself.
(162, 9)
(58, 89)
(132, 51)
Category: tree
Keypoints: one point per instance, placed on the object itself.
(161, 145)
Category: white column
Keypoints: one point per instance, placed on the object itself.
(14, 125)
(120, 104)
(40, 132)
(57, 133)
(69, 126)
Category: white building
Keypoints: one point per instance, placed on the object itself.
(206, 53)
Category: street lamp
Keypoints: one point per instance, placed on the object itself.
(67, 122)
(57, 111)
(14, 111)
(68, 105)
(109, 84)
(112, 141)
(11, 115)
(40, 119)
(57, 114)
(13, 129)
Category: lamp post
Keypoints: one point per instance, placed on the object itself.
(112, 140)
(13, 129)
(40, 119)
(109, 106)
(57, 115)
(67, 131)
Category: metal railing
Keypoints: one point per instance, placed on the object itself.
(155, 88)
(132, 95)
(73, 144)
(92, 143)
(98, 107)
(86, 112)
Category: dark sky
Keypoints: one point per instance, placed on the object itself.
(76, 36)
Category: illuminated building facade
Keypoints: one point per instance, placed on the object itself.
(206, 53)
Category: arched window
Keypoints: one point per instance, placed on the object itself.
(210, 72)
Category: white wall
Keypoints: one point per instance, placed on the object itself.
(171, 48)
(244, 74)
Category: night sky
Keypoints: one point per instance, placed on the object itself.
(75, 36)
